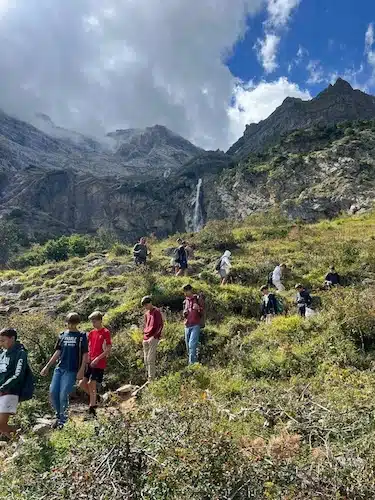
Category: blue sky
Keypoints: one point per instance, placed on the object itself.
(330, 38)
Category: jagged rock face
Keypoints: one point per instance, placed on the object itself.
(337, 103)
(148, 182)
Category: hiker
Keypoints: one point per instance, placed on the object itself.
(151, 335)
(99, 348)
(224, 266)
(181, 258)
(269, 307)
(141, 252)
(277, 277)
(193, 314)
(13, 364)
(332, 278)
(303, 300)
(71, 357)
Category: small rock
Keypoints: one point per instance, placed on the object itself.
(125, 389)
(41, 429)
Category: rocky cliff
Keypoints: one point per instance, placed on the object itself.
(151, 180)
(337, 103)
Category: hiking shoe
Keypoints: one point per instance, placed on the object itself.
(98, 398)
(91, 413)
(57, 425)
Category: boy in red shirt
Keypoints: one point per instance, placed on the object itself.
(100, 344)
(151, 335)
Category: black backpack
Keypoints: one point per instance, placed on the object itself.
(269, 279)
(218, 265)
(28, 385)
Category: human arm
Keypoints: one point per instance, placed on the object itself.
(50, 363)
(13, 381)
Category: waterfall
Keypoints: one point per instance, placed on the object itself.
(198, 216)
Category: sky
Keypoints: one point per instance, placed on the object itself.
(203, 68)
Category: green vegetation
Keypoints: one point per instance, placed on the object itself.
(280, 411)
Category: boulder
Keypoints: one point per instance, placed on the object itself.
(42, 429)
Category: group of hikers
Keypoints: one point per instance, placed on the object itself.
(82, 358)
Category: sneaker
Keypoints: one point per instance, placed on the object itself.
(98, 398)
(57, 425)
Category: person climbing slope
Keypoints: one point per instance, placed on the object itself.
(181, 258)
(151, 335)
(303, 300)
(277, 276)
(71, 358)
(193, 313)
(269, 307)
(141, 252)
(225, 266)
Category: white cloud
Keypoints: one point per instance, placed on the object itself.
(280, 12)
(95, 65)
(253, 103)
(267, 52)
(369, 46)
(316, 72)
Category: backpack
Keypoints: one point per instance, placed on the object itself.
(218, 265)
(202, 300)
(28, 386)
(269, 279)
(279, 306)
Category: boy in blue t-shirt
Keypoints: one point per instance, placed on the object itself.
(71, 354)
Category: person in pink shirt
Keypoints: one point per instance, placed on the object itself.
(193, 313)
(151, 335)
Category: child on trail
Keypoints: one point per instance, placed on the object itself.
(181, 259)
(151, 335)
(13, 364)
(141, 252)
(277, 277)
(332, 278)
(225, 266)
(303, 300)
(71, 355)
(193, 312)
(269, 307)
(100, 344)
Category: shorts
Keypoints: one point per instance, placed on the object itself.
(9, 403)
(223, 273)
(182, 265)
(94, 374)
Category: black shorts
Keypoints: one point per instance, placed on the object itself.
(94, 374)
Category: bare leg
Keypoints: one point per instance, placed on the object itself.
(5, 428)
(92, 392)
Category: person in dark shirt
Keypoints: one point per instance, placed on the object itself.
(181, 259)
(269, 305)
(303, 300)
(13, 363)
(332, 278)
(140, 252)
(71, 357)
(151, 335)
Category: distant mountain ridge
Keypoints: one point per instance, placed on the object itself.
(337, 103)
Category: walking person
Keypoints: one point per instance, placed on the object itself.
(71, 358)
(277, 276)
(225, 266)
(303, 300)
(13, 366)
(151, 336)
(141, 252)
(193, 313)
(99, 348)
(269, 307)
(181, 259)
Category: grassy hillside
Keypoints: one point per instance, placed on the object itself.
(281, 411)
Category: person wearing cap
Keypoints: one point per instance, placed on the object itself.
(71, 358)
(181, 258)
(100, 344)
(303, 299)
(151, 335)
(13, 363)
